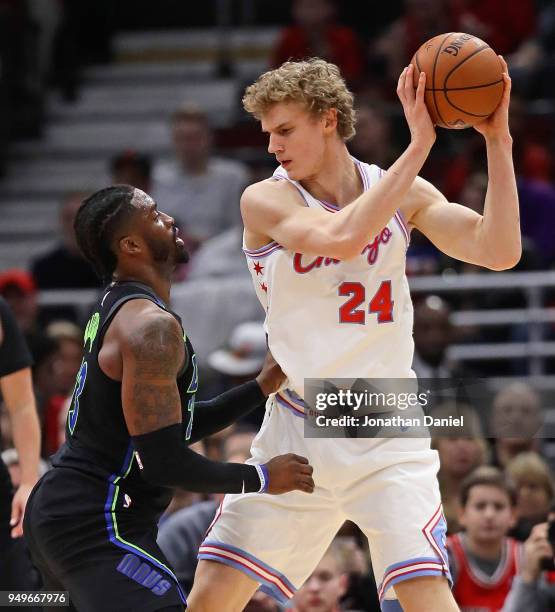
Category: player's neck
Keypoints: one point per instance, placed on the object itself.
(159, 283)
(338, 180)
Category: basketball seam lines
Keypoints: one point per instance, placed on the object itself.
(434, 77)
(462, 62)
(464, 111)
(463, 88)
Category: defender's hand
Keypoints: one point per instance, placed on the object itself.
(288, 473)
(420, 124)
(271, 377)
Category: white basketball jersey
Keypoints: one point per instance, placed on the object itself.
(327, 318)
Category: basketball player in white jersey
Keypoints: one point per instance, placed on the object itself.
(325, 240)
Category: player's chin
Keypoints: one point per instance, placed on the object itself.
(181, 254)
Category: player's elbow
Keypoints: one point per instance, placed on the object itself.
(506, 260)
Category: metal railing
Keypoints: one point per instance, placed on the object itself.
(532, 284)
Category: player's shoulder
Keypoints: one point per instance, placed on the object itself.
(269, 193)
(141, 319)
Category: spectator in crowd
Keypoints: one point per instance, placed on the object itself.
(316, 33)
(69, 352)
(45, 357)
(433, 333)
(182, 533)
(420, 20)
(515, 419)
(19, 402)
(220, 256)
(19, 290)
(503, 25)
(533, 589)
(325, 587)
(197, 187)
(230, 301)
(64, 267)
(131, 168)
(459, 456)
(373, 142)
(260, 602)
(534, 484)
(482, 559)
(10, 457)
(533, 63)
(242, 356)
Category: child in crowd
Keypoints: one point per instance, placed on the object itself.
(483, 559)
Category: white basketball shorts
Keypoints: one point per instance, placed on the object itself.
(388, 487)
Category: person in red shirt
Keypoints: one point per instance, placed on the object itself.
(316, 33)
(483, 560)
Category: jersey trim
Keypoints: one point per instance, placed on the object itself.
(402, 225)
(296, 409)
(112, 524)
(263, 251)
(437, 520)
(274, 583)
(406, 570)
(398, 214)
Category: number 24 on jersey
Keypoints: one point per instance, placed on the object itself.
(381, 303)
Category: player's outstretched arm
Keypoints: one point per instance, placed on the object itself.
(492, 240)
(152, 352)
(272, 209)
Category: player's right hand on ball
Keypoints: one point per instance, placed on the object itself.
(289, 473)
(421, 127)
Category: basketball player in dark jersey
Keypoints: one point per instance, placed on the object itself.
(91, 521)
(16, 387)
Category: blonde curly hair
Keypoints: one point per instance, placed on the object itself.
(314, 82)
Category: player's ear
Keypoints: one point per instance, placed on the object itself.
(330, 119)
(129, 245)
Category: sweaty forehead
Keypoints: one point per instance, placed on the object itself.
(142, 201)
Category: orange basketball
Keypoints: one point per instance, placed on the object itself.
(464, 82)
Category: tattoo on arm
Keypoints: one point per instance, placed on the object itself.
(157, 350)
(151, 396)
(154, 406)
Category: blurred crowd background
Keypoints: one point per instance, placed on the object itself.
(99, 92)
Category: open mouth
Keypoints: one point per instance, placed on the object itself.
(176, 236)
